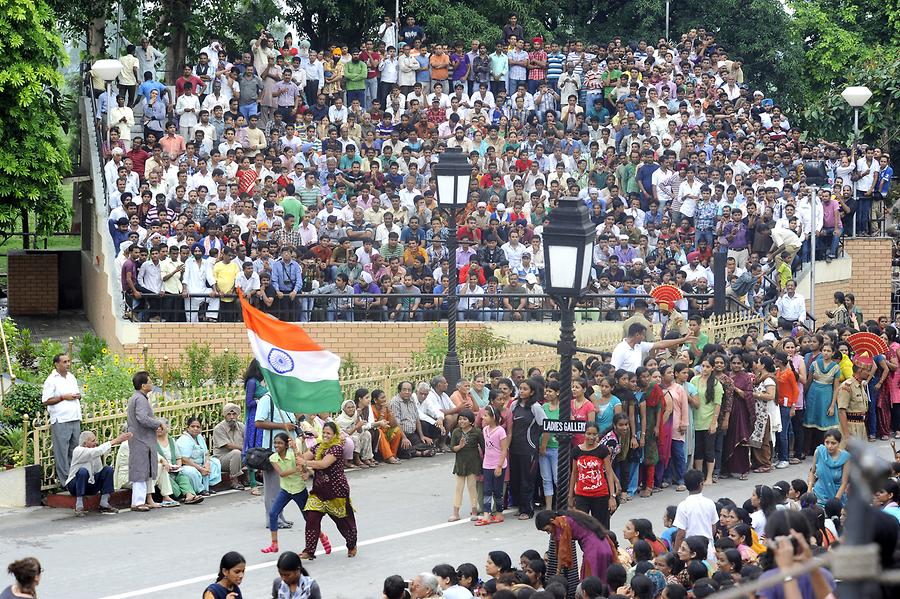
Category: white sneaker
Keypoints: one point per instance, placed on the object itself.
(782, 465)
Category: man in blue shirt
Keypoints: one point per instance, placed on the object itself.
(287, 280)
(149, 85)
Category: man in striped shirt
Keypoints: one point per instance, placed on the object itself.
(537, 65)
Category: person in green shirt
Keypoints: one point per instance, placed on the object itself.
(292, 478)
(626, 174)
(694, 324)
(293, 206)
(355, 73)
(705, 408)
(549, 452)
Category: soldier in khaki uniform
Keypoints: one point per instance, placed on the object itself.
(672, 320)
(853, 400)
(640, 316)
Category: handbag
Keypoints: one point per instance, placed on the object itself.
(258, 458)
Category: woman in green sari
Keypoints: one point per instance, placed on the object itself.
(168, 453)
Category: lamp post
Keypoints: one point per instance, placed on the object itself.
(856, 97)
(108, 69)
(816, 177)
(568, 256)
(453, 172)
(667, 20)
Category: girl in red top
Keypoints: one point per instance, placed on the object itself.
(593, 486)
(787, 391)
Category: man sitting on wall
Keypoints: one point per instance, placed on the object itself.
(87, 473)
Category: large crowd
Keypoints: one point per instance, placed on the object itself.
(671, 416)
(305, 176)
(293, 173)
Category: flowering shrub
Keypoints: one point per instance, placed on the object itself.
(107, 380)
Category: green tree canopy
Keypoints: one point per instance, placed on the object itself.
(33, 155)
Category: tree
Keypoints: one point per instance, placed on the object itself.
(33, 155)
(849, 42)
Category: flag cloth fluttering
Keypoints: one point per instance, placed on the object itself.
(300, 375)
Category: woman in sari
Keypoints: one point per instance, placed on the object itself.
(651, 396)
(821, 398)
(330, 492)
(246, 177)
(389, 437)
(254, 388)
(883, 387)
(352, 425)
(664, 379)
(736, 448)
(172, 464)
(203, 470)
(597, 549)
(720, 371)
(828, 477)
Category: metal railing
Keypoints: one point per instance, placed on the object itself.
(369, 307)
(96, 127)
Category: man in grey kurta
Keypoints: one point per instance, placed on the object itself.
(142, 462)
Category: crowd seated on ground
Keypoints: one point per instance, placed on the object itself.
(305, 177)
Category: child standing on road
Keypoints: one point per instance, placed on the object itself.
(496, 447)
(465, 442)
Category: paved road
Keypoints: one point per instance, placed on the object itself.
(402, 514)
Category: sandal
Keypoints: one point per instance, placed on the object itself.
(525, 516)
(196, 499)
(141, 508)
(793, 461)
(255, 491)
(238, 486)
(453, 519)
(744, 476)
(681, 488)
(273, 548)
(496, 519)
(482, 522)
(307, 556)
(170, 503)
(393, 461)
(351, 552)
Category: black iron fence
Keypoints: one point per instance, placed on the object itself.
(398, 307)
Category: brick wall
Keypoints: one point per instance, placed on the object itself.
(370, 344)
(33, 283)
(870, 282)
(868, 278)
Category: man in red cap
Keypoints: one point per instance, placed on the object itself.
(853, 399)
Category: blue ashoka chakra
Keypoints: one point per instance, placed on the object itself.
(280, 360)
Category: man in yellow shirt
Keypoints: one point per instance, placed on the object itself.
(225, 273)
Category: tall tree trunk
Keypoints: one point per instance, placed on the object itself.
(174, 20)
(96, 37)
(26, 239)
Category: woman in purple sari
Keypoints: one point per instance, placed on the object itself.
(740, 424)
(564, 527)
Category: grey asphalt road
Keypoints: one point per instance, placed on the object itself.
(402, 513)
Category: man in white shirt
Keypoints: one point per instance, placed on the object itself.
(629, 353)
(696, 515)
(89, 475)
(791, 305)
(514, 250)
(62, 396)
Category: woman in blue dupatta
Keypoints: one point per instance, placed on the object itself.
(830, 474)
(203, 470)
(254, 389)
(821, 399)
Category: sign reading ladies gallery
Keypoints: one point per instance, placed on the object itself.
(564, 426)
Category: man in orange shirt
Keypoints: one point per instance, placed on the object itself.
(172, 143)
(440, 66)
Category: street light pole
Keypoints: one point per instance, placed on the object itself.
(566, 350)
(568, 257)
(667, 20)
(856, 96)
(452, 172)
(452, 367)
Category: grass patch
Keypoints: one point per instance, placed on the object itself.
(53, 242)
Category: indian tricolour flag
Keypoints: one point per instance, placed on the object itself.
(301, 376)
